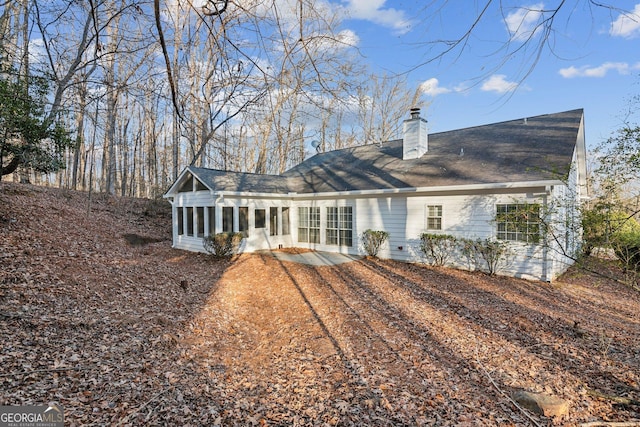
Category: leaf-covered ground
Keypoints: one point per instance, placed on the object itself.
(99, 314)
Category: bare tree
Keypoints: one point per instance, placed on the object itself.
(14, 46)
(79, 125)
(381, 105)
(202, 88)
(310, 72)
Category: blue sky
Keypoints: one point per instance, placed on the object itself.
(591, 59)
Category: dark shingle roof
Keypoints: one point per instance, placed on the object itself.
(540, 148)
(241, 181)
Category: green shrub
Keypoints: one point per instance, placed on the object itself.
(593, 229)
(604, 226)
(626, 245)
(438, 248)
(222, 245)
(373, 240)
(490, 253)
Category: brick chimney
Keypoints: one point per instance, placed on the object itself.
(415, 136)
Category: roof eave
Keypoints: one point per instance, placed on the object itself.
(399, 191)
(173, 190)
(254, 194)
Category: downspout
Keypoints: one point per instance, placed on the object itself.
(546, 263)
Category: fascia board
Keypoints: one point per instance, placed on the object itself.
(396, 191)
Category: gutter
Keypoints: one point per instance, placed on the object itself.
(546, 185)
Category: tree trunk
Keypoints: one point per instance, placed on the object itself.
(112, 103)
(110, 139)
(10, 168)
(79, 145)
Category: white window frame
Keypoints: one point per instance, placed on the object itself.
(339, 226)
(516, 222)
(434, 217)
(309, 224)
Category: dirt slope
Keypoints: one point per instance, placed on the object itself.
(99, 314)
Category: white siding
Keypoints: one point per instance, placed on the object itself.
(565, 204)
(468, 216)
(404, 217)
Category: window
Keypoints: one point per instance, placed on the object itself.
(189, 221)
(309, 225)
(261, 220)
(346, 225)
(340, 226)
(227, 219)
(303, 225)
(243, 220)
(180, 212)
(200, 221)
(273, 221)
(200, 186)
(187, 185)
(211, 212)
(332, 226)
(518, 222)
(434, 217)
(285, 221)
(314, 225)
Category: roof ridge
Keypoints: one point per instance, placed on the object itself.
(234, 172)
(519, 119)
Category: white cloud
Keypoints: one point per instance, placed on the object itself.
(524, 22)
(431, 87)
(498, 83)
(600, 71)
(374, 11)
(348, 38)
(627, 24)
(462, 87)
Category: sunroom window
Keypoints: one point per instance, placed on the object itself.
(243, 220)
(200, 221)
(189, 221)
(260, 218)
(273, 221)
(211, 212)
(227, 219)
(285, 221)
(180, 212)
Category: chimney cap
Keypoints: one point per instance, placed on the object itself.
(415, 112)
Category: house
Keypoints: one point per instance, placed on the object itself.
(456, 183)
